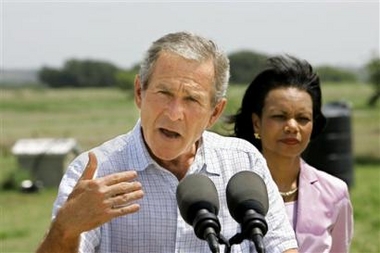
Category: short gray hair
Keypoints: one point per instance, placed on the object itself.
(193, 47)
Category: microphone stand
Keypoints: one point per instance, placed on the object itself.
(223, 240)
(207, 227)
(253, 227)
(214, 247)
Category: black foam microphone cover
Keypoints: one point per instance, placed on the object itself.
(196, 192)
(198, 202)
(246, 191)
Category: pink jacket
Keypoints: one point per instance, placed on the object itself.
(324, 215)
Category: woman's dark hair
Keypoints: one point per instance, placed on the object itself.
(282, 71)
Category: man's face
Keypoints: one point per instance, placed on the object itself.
(177, 106)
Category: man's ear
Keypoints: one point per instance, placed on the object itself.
(218, 110)
(137, 91)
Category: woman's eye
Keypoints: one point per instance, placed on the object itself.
(304, 119)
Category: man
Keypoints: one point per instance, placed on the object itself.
(120, 197)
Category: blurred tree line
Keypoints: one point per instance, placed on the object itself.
(245, 65)
(80, 74)
(373, 69)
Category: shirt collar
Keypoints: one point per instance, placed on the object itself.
(204, 154)
(139, 149)
(144, 159)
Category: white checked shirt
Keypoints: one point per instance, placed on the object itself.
(158, 226)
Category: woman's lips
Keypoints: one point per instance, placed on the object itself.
(290, 141)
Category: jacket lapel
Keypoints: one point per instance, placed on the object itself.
(308, 195)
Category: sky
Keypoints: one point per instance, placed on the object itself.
(39, 33)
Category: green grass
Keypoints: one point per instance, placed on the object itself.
(24, 219)
(92, 116)
(366, 202)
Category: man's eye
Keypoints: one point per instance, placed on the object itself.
(192, 99)
(163, 92)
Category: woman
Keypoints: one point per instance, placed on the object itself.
(280, 113)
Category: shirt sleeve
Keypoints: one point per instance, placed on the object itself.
(342, 232)
(90, 239)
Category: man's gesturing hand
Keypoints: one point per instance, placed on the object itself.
(94, 202)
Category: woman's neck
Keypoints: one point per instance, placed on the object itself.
(284, 171)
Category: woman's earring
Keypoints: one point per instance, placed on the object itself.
(257, 136)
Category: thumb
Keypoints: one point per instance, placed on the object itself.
(91, 167)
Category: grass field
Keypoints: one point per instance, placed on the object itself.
(92, 116)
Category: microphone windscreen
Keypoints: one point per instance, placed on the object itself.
(246, 190)
(196, 192)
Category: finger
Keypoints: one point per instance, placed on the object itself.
(91, 166)
(126, 199)
(123, 188)
(125, 210)
(120, 177)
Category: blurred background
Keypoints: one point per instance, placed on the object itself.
(67, 71)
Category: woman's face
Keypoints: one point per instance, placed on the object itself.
(286, 122)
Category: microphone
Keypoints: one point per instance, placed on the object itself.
(247, 200)
(198, 202)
